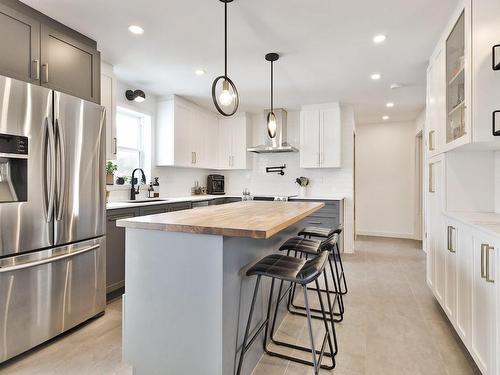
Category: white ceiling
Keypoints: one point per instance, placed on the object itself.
(326, 47)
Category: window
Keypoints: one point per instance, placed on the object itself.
(133, 136)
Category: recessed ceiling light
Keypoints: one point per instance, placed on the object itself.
(389, 105)
(200, 72)
(380, 38)
(376, 76)
(396, 86)
(385, 118)
(135, 29)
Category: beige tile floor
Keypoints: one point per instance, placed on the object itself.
(392, 326)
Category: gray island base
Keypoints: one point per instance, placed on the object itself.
(187, 297)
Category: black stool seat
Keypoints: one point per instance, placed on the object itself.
(288, 268)
(318, 232)
(301, 244)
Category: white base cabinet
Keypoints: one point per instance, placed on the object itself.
(484, 345)
(465, 284)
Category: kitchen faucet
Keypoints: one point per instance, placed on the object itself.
(133, 191)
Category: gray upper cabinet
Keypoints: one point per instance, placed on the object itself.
(37, 49)
(19, 45)
(69, 66)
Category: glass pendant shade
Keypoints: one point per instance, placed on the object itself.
(271, 124)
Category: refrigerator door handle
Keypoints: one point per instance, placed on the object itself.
(48, 186)
(61, 184)
(48, 260)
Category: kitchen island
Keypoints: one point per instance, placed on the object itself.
(187, 297)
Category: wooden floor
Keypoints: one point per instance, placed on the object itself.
(392, 326)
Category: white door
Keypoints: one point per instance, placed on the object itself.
(310, 139)
(463, 283)
(451, 232)
(225, 144)
(239, 143)
(438, 248)
(183, 120)
(330, 138)
(484, 303)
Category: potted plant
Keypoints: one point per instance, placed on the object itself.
(302, 182)
(111, 168)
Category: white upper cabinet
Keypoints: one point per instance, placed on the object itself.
(460, 72)
(234, 139)
(108, 100)
(192, 137)
(321, 136)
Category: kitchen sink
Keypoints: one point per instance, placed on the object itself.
(147, 200)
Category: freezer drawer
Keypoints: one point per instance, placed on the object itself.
(45, 293)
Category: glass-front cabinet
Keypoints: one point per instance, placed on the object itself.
(456, 82)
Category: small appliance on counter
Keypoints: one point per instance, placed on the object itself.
(215, 184)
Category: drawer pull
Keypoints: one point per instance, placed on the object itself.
(483, 256)
(315, 222)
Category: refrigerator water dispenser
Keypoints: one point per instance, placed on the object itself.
(13, 168)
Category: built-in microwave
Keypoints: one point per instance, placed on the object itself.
(215, 184)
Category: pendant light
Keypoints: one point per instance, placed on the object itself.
(226, 100)
(271, 117)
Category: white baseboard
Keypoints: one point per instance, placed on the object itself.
(408, 236)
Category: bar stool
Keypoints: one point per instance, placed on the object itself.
(300, 272)
(319, 232)
(306, 247)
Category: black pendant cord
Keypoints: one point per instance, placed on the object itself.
(225, 40)
(272, 87)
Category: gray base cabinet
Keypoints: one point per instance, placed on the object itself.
(115, 239)
(329, 217)
(115, 249)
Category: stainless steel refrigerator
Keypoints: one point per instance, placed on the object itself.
(52, 214)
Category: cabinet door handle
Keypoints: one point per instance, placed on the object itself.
(488, 250)
(192, 157)
(431, 140)
(450, 239)
(36, 70)
(195, 157)
(115, 146)
(483, 257)
(45, 73)
(315, 222)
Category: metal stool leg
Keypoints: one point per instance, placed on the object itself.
(245, 346)
(342, 275)
(338, 299)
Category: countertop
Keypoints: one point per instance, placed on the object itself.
(198, 198)
(488, 222)
(252, 219)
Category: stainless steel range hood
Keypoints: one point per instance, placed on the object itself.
(278, 143)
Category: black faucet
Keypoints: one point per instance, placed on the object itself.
(133, 191)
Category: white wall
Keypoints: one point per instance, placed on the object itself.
(323, 182)
(385, 179)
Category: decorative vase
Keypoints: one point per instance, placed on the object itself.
(303, 191)
(109, 179)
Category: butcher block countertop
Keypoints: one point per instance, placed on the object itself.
(251, 219)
